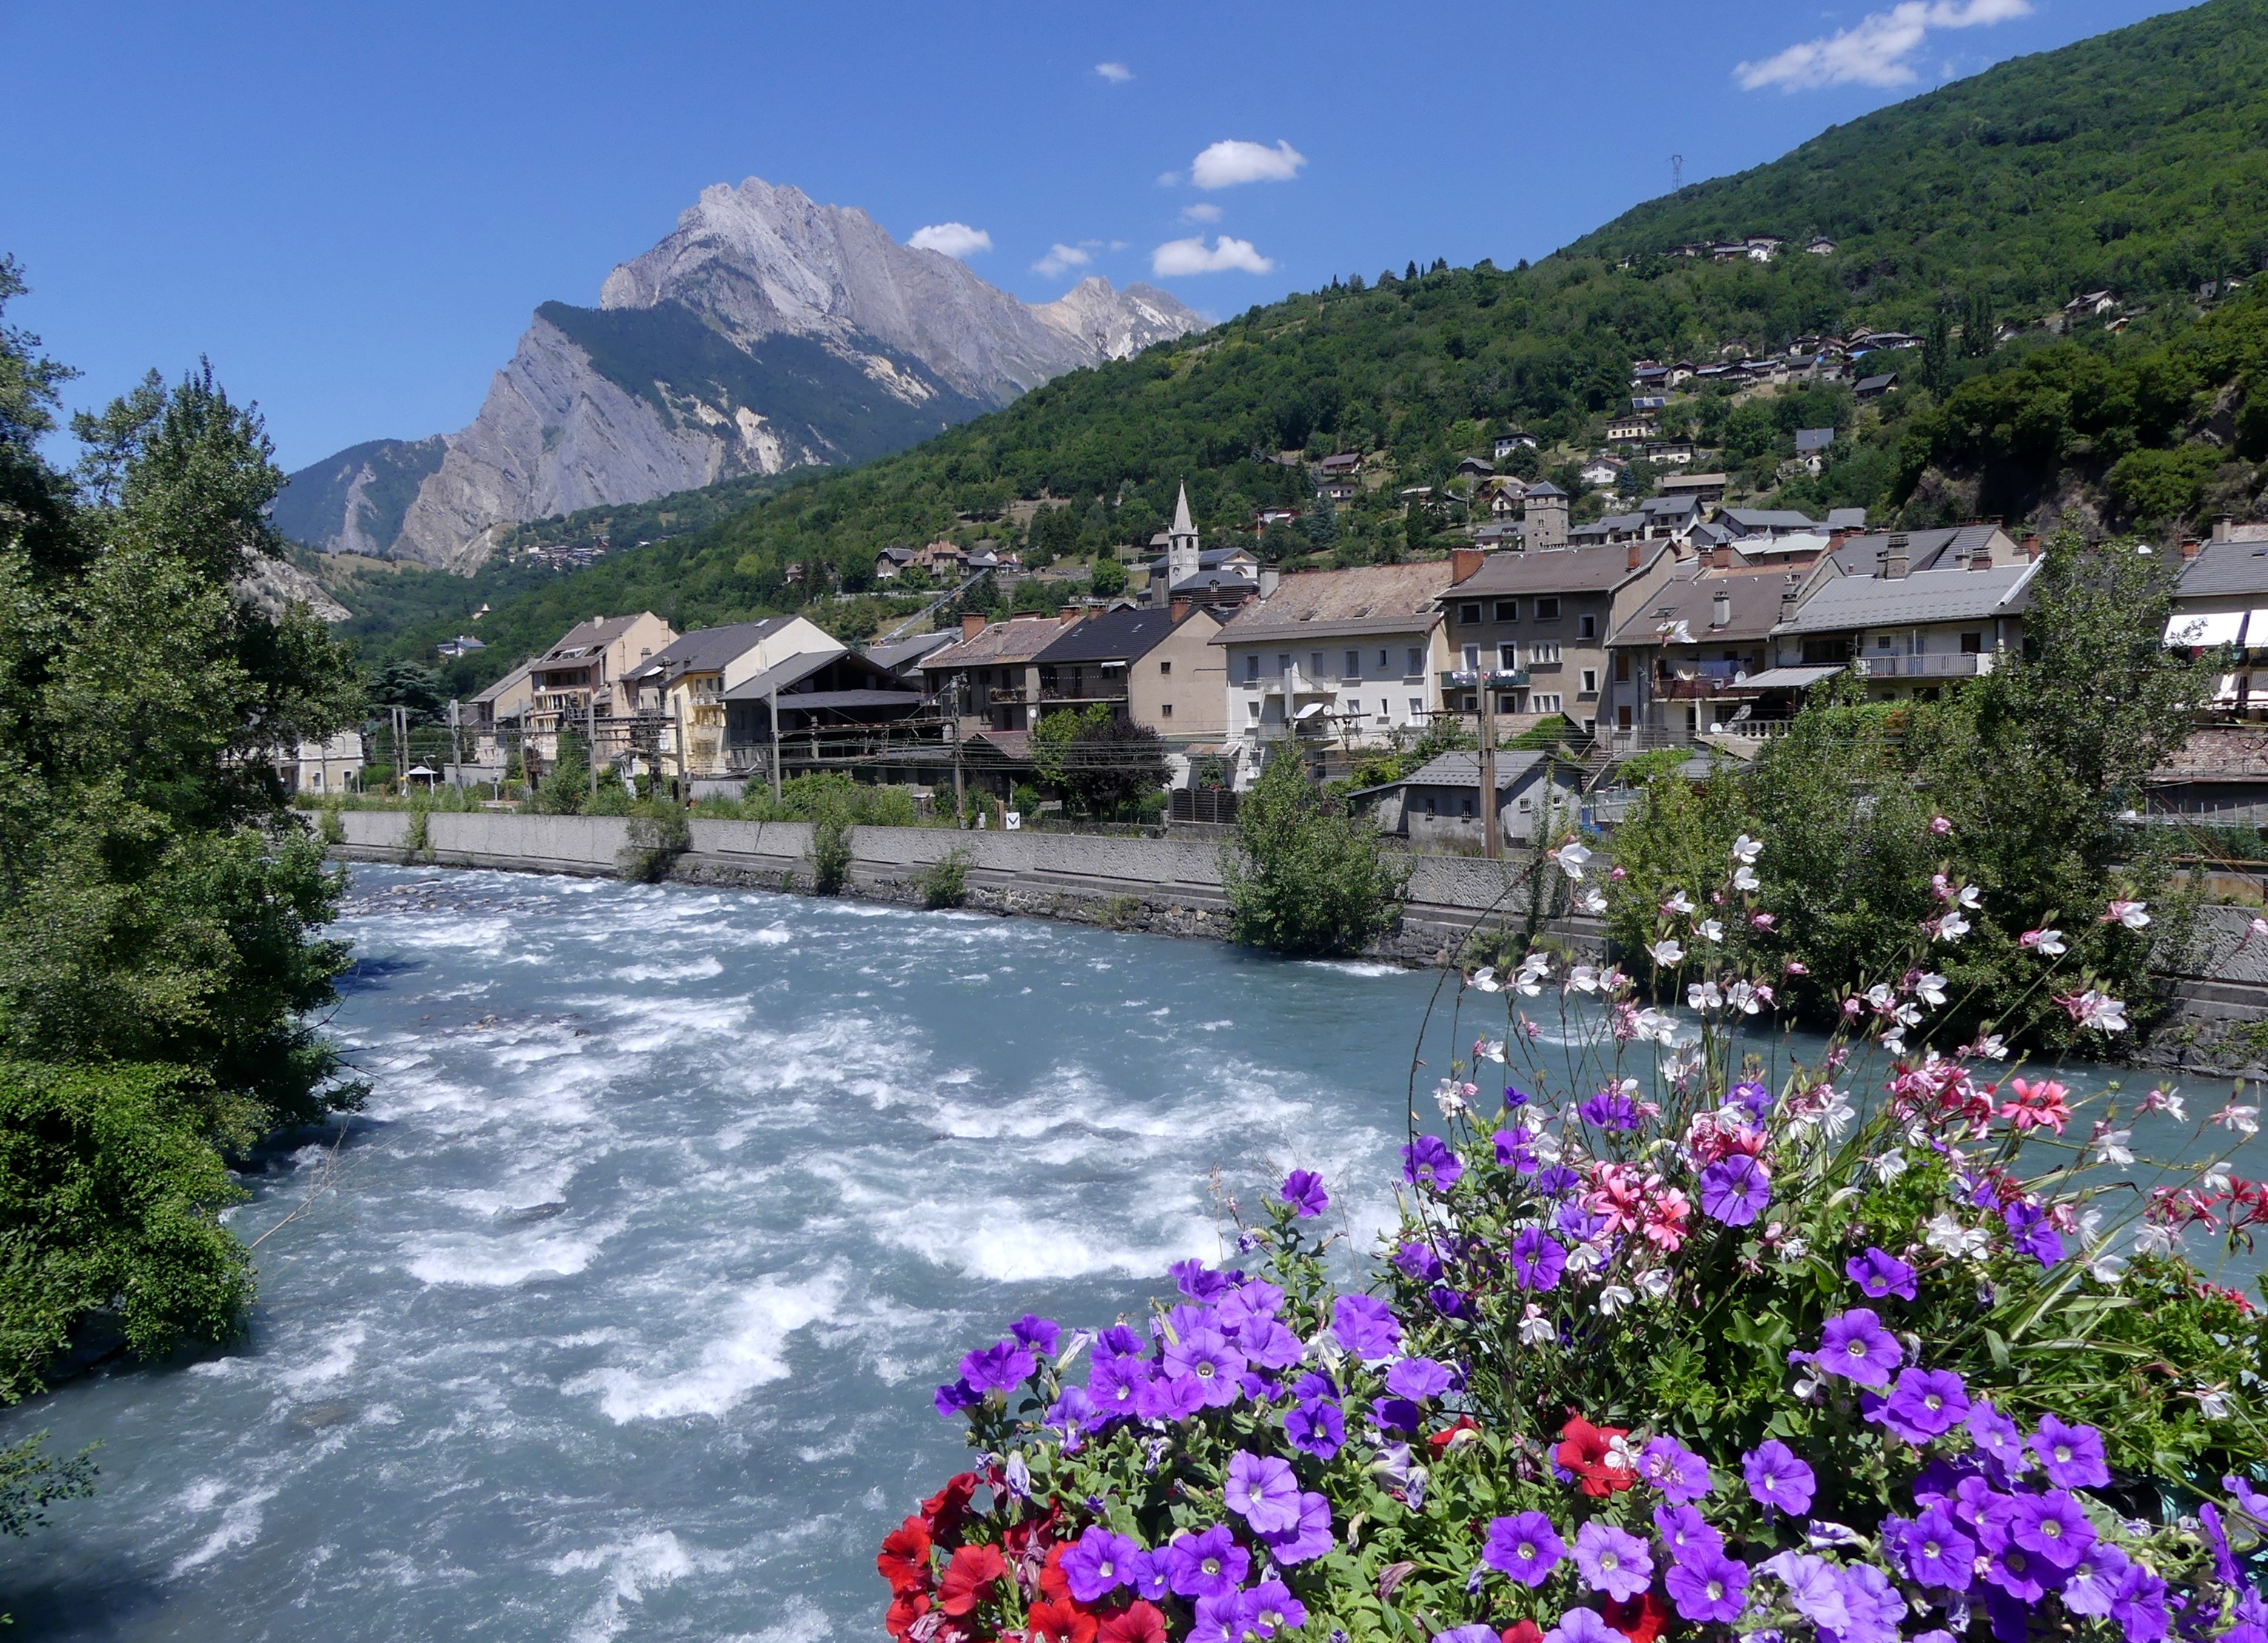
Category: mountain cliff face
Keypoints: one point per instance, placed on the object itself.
(767, 332)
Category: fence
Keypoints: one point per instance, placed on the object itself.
(1214, 805)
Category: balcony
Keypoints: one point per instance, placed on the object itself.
(1495, 678)
(1954, 664)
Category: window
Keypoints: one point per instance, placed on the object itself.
(1315, 664)
(1283, 663)
(1469, 809)
(1417, 707)
(1430, 803)
(1354, 706)
(1540, 702)
(1252, 710)
(1416, 663)
(1470, 612)
(1472, 658)
(1385, 664)
(1881, 641)
(1353, 664)
(1972, 644)
(1165, 669)
(1622, 666)
(1252, 670)
(1542, 652)
(1586, 625)
(1507, 655)
(1164, 710)
(1590, 726)
(1508, 610)
(1547, 610)
(1590, 682)
(1506, 704)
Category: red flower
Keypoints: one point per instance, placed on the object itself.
(973, 1572)
(1587, 1451)
(1440, 1441)
(907, 1610)
(1138, 1623)
(1063, 1622)
(904, 1561)
(1640, 1619)
(944, 1511)
(1523, 1632)
(1054, 1583)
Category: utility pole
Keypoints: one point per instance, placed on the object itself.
(591, 738)
(684, 771)
(1493, 843)
(776, 745)
(402, 747)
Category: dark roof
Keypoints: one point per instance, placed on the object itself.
(1888, 380)
(786, 675)
(1768, 519)
(898, 652)
(1925, 550)
(1114, 636)
(1556, 571)
(1952, 593)
(1211, 558)
(1018, 639)
(817, 701)
(1216, 582)
(709, 649)
(1813, 440)
(1463, 770)
(2225, 569)
(1545, 488)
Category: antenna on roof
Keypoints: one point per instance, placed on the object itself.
(1678, 173)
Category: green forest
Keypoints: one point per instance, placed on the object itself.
(1968, 215)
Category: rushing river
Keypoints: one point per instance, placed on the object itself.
(618, 1311)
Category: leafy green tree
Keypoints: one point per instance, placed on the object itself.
(1109, 577)
(405, 685)
(1304, 876)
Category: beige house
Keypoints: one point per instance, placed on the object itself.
(581, 681)
(332, 766)
(1343, 658)
(1158, 667)
(498, 714)
(1541, 622)
(685, 682)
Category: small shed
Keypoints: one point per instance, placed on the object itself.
(1438, 806)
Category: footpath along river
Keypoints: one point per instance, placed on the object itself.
(618, 1311)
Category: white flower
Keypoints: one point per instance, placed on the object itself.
(1880, 996)
(1656, 1025)
(1969, 898)
(1745, 850)
(2107, 1267)
(1837, 1114)
(1449, 1096)
(2110, 1015)
(1485, 980)
(1653, 1283)
(1744, 998)
(1942, 1232)
(1951, 927)
(1613, 1299)
(1534, 1328)
(1930, 988)
(2152, 1239)
(1794, 1249)
(1992, 1047)
(1584, 1259)
(1678, 906)
(1667, 954)
(1890, 1166)
(2236, 1120)
(2109, 1145)
(1703, 995)
(1571, 857)
(2048, 941)
(1590, 901)
(1583, 979)
(1745, 878)
(1531, 973)
(2214, 1179)
(2213, 1401)
(1710, 930)
(2257, 927)
(1548, 1147)
(1895, 1041)
(2133, 915)
(2173, 1105)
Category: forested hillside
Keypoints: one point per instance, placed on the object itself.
(1968, 216)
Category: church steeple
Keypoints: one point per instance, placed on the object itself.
(1181, 551)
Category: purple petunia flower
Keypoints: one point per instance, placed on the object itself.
(1417, 1261)
(1670, 1466)
(1429, 1162)
(1583, 1625)
(2029, 1229)
(1449, 1303)
(1112, 1384)
(1876, 1607)
(1263, 1491)
(997, 1368)
(2072, 1456)
(1998, 1441)
(1610, 1109)
(1315, 1427)
(1752, 1098)
(2053, 1527)
(1556, 1181)
(1735, 1189)
(1776, 1479)
(1039, 1334)
(1117, 1341)
(1250, 1302)
(1396, 1414)
(1536, 1260)
(2139, 1612)
(1206, 1565)
(1146, 1573)
(1512, 1151)
(1525, 1548)
(2248, 1499)
(1271, 1608)
(1926, 1403)
(2017, 1573)
(2092, 1586)
(1219, 1618)
(2216, 1537)
(1612, 1560)
(1708, 1586)
(1466, 1634)
(1315, 1383)
(1303, 1190)
(1100, 1564)
(1205, 1357)
(1365, 1327)
(1933, 1550)
(1074, 1412)
(1684, 1532)
(1855, 1345)
(1168, 1397)
(1572, 1221)
(1814, 1588)
(1199, 1282)
(1418, 1378)
(1879, 1273)
(1268, 1345)
(1514, 1097)
(955, 1395)
(1309, 1539)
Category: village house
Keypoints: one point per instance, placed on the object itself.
(816, 708)
(901, 659)
(497, 716)
(1159, 668)
(1340, 465)
(2221, 599)
(1629, 427)
(1682, 662)
(989, 679)
(1436, 806)
(1911, 612)
(1348, 657)
(1543, 618)
(688, 683)
(323, 769)
(1506, 443)
(580, 683)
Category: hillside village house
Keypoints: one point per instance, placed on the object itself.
(1909, 614)
(2222, 600)
(990, 679)
(581, 681)
(496, 716)
(687, 681)
(1546, 617)
(1159, 668)
(1336, 657)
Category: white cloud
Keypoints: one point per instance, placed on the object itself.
(1061, 259)
(1191, 256)
(1169, 178)
(1203, 211)
(1879, 51)
(1226, 163)
(1117, 73)
(955, 239)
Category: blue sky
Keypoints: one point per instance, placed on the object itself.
(352, 209)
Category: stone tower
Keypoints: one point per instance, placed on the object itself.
(1546, 517)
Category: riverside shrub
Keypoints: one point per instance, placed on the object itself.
(1303, 875)
(1681, 1336)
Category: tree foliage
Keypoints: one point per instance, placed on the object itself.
(1303, 875)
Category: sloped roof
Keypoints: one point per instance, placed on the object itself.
(709, 649)
(1953, 595)
(502, 687)
(2226, 568)
(1769, 519)
(1925, 550)
(1365, 599)
(1754, 597)
(588, 636)
(1114, 636)
(784, 676)
(1557, 570)
(898, 652)
(1018, 639)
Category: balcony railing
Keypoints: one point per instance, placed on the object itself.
(1496, 678)
(1950, 665)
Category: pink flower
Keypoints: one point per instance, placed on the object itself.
(1618, 1195)
(2037, 1102)
(1766, 921)
(1665, 1218)
(1940, 826)
(1797, 966)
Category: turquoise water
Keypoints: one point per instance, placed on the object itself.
(618, 1311)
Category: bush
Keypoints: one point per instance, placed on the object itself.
(1303, 876)
(814, 797)
(1659, 1348)
(331, 827)
(830, 855)
(945, 882)
(416, 846)
(658, 835)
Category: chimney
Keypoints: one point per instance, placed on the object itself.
(1982, 559)
(1067, 615)
(1790, 586)
(1462, 563)
(1630, 563)
(2030, 544)
(1180, 609)
(1721, 556)
(1897, 557)
(2220, 531)
(972, 623)
(1269, 579)
(1834, 538)
(2189, 548)
(1720, 609)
